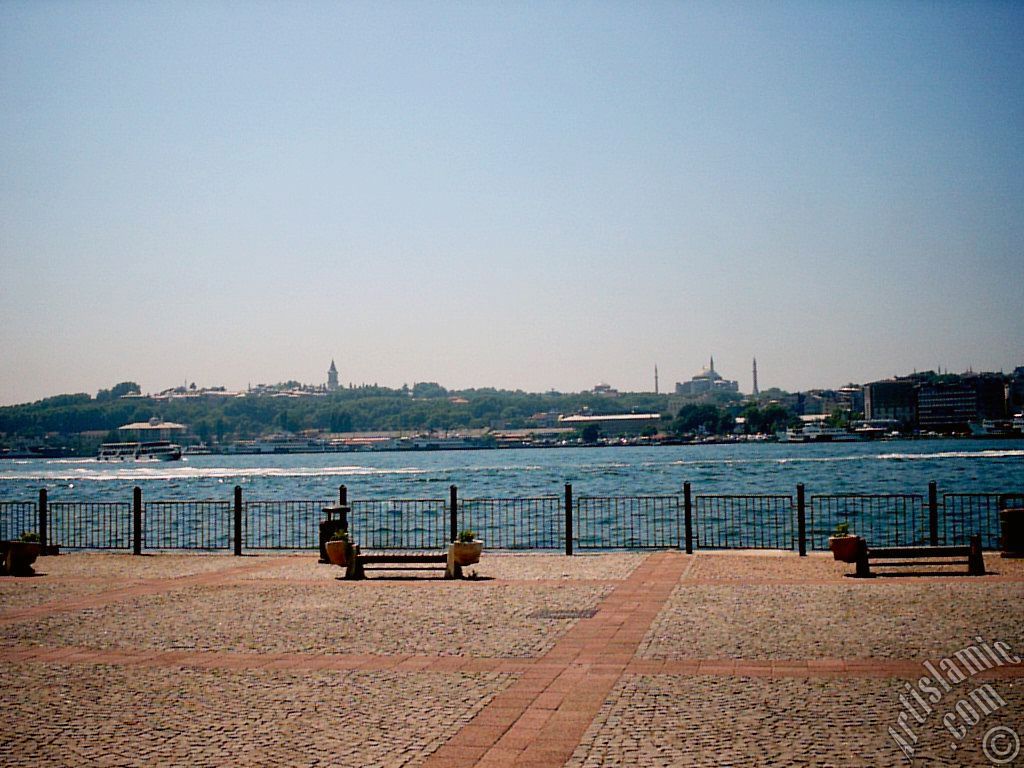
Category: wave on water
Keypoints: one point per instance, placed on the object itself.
(193, 473)
(951, 455)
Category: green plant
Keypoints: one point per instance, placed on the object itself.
(465, 536)
(341, 535)
(30, 537)
(842, 529)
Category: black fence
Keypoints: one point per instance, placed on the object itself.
(747, 522)
(628, 522)
(684, 521)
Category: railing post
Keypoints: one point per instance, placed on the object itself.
(342, 496)
(801, 519)
(137, 521)
(933, 513)
(43, 514)
(568, 519)
(238, 521)
(688, 517)
(453, 512)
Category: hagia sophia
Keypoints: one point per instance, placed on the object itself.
(707, 380)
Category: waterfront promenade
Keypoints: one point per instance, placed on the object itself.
(629, 659)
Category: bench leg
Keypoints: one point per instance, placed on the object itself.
(975, 560)
(353, 567)
(863, 568)
(452, 569)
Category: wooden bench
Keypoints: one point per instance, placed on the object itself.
(359, 562)
(909, 557)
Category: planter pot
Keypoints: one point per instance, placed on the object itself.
(336, 552)
(845, 548)
(18, 557)
(467, 552)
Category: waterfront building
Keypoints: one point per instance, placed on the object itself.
(1015, 391)
(613, 424)
(950, 406)
(707, 380)
(332, 378)
(891, 399)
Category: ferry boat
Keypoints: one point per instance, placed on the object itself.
(159, 450)
(817, 433)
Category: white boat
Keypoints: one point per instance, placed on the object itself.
(159, 450)
(817, 433)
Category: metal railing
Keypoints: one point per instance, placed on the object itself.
(18, 517)
(528, 523)
(967, 514)
(765, 521)
(882, 519)
(744, 522)
(90, 524)
(186, 525)
(400, 523)
(628, 522)
(282, 524)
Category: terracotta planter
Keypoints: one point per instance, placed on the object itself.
(18, 557)
(336, 552)
(845, 548)
(467, 552)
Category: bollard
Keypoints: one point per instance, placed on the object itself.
(238, 521)
(688, 517)
(137, 521)
(342, 496)
(453, 512)
(801, 519)
(933, 513)
(43, 514)
(568, 519)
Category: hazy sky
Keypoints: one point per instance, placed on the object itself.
(522, 195)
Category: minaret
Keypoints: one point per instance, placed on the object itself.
(332, 377)
(712, 366)
(756, 390)
(655, 379)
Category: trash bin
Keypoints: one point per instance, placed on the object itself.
(335, 519)
(1011, 525)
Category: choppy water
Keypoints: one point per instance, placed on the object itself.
(965, 466)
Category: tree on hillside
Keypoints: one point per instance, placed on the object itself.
(118, 390)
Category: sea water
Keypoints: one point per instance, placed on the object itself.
(896, 467)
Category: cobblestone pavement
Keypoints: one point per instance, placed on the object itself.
(120, 716)
(909, 620)
(614, 659)
(737, 721)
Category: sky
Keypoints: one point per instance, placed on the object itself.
(528, 195)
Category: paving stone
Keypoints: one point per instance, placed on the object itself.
(734, 721)
(57, 715)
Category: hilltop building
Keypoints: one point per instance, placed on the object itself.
(332, 378)
(152, 430)
(707, 380)
(605, 390)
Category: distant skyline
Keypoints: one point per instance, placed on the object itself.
(532, 196)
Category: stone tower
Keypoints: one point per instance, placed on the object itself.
(332, 377)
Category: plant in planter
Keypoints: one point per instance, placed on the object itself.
(844, 545)
(337, 548)
(467, 548)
